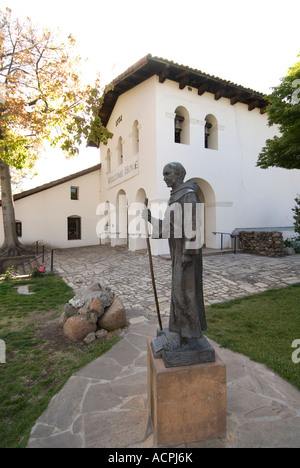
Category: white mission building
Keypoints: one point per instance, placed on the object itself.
(161, 112)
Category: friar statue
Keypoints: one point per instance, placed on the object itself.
(182, 223)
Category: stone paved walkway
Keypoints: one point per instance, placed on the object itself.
(225, 277)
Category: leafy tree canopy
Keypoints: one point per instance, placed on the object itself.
(42, 95)
(284, 110)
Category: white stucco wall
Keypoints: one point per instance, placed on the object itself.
(236, 193)
(138, 105)
(244, 195)
(44, 214)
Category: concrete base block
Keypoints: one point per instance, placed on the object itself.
(188, 403)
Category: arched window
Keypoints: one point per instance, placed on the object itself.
(211, 132)
(182, 126)
(135, 138)
(108, 161)
(120, 151)
(74, 228)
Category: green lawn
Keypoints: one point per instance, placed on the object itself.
(263, 327)
(36, 368)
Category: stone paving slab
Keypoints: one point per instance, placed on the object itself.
(105, 403)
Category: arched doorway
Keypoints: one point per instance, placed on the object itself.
(119, 231)
(207, 198)
(137, 240)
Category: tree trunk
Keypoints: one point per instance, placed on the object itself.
(11, 247)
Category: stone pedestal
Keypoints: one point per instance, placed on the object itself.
(188, 403)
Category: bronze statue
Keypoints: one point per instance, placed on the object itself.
(187, 314)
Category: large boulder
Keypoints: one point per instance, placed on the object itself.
(114, 317)
(76, 328)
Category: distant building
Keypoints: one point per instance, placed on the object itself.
(160, 112)
(61, 213)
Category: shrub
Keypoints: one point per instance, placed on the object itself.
(296, 216)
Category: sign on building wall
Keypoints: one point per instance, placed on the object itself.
(125, 171)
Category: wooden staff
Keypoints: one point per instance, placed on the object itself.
(151, 269)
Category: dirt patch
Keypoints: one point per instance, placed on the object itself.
(48, 327)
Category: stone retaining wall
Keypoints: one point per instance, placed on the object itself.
(269, 244)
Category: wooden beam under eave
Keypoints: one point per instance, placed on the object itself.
(163, 75)
(263, 109)
(184, 82)
(235, 99)
(219, 94)
(202, 88)
(252, 105)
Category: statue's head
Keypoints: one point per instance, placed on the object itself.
(175, 169)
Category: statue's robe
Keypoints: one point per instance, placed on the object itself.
(187, 314)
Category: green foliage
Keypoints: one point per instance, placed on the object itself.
(15, 151)
(9, 274)
(42, 97)
(296, 210)
(284, 110)
(293, 242)
(42, 94)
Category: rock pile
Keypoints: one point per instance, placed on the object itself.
(92, 313)
(270, 244)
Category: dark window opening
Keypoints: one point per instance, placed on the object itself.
(74, 228)
(178, 128)
(207, 134)
(19, 228)
(74, 193)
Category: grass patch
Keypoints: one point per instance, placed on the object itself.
(36, 366)
(262, 327)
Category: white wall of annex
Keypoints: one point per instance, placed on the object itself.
(44, 214)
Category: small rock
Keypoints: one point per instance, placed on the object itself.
(96, 306)
(62, 319)
(95, 287)
(101, 334)
(76, 303)
(92, 317)
(69, 310)
(89, 338)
